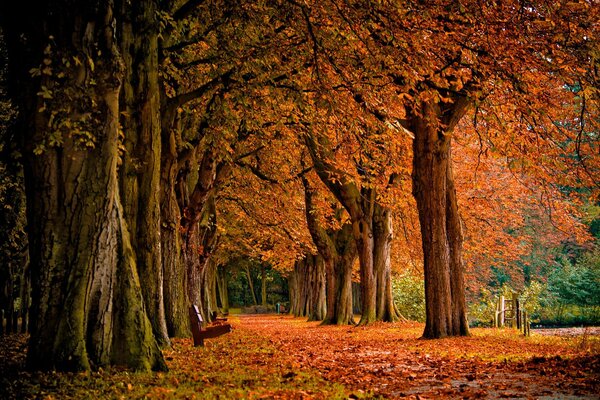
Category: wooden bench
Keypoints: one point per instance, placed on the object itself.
(199, 333)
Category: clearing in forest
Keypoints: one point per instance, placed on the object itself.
(276, 356)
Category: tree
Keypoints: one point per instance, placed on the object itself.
(431, 63)
(88, 309)
(337, 247)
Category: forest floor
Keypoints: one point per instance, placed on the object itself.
(277, 356)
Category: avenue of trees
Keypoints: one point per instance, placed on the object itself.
(158, 140)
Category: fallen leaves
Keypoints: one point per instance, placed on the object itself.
(279, 357)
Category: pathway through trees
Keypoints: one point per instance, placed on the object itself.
(270, 356)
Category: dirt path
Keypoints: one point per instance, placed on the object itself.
(391, 361)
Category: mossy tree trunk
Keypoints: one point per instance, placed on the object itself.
(140, 171)
(87, 308)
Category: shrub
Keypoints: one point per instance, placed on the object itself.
(409, 296)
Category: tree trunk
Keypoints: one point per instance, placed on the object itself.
(338, 251)
(293, 288)
(10, 300)
(193, 267)
(308, 288)
(223, 290)
(382, 223)
(263, 285)
(140, 171)
(460, 325)
(343, 313)
(317, 290)
(251, 285)
(356, 300)
(363, 232)
(25, 293)
(430, 169)
(175, 282)
(209, 288)
(87, 308)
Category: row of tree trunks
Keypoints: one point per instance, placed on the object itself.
(101, 166)
(307, 288)
(371, 230)
(87, 308)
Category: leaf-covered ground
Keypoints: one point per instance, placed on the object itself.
(271, 356)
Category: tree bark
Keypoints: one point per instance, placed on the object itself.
(140, 171)
(317, 290)
(263, 286)
(365, 242)
(175, 282)
(251, 285)
(209, 287)
(338, 250)
(223, 290)
(87, 308)
(307, 288)
(25, 293)
(440, 224)
(460, 325)
(383, 235)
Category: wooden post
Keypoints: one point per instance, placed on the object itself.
(502, 310)
(518, 314)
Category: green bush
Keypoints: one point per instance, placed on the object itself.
(409, 296)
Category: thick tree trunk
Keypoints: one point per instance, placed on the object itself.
(383, 235)
(431, 169)
(87, 305)
(307, 288)
(294, 290)
(25, 293)
(140, 172)
(343, 313)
